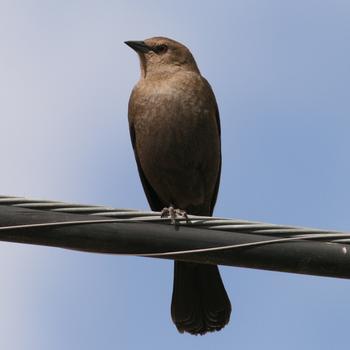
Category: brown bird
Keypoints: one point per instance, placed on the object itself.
(175, 133)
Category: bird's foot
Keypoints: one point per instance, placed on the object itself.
(174, 214)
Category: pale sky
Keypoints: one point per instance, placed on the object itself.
(280, 72)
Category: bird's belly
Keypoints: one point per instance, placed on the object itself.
(180, 158)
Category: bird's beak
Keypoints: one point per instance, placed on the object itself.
(138, 46)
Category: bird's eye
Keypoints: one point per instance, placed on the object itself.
(160, 49)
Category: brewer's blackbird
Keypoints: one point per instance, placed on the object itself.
(175, 132)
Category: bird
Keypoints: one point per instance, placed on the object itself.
(175, 133)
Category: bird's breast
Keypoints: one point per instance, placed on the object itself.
(177, 141)
(175, 123)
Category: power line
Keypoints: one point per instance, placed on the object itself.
(205, 240)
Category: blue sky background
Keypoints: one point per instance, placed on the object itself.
(281, 73)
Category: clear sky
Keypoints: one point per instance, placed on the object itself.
(281, 73)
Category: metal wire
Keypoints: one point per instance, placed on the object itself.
(316, 236)
(207, 240)
(215, 223)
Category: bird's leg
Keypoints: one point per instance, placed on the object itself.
(183, 214)
(173, 214)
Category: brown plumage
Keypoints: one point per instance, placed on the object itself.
(175, 132)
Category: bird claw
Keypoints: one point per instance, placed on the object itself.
(174, 214)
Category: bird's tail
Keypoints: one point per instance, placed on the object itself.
(200, 303)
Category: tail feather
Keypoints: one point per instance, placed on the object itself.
(200, 303)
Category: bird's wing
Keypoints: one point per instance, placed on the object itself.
(217, 184)
(152, 197)
(217, 117)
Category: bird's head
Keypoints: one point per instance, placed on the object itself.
(162, 56)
